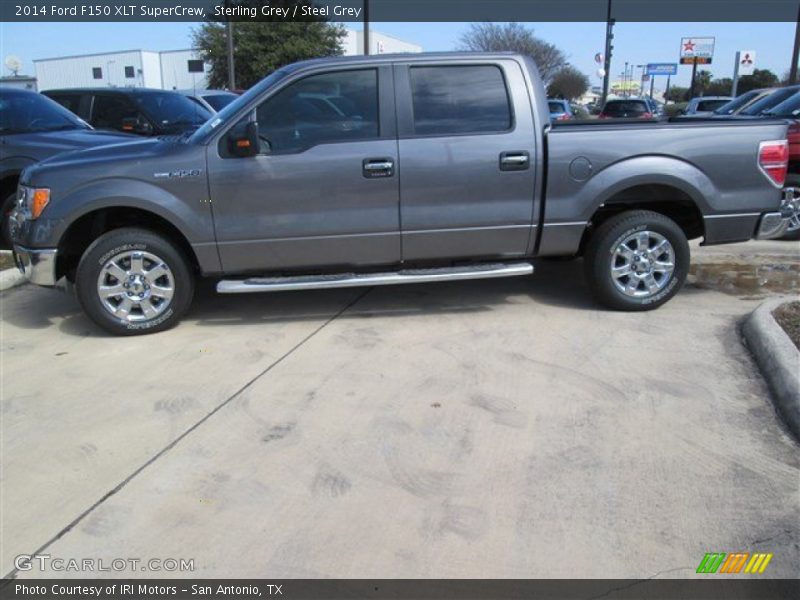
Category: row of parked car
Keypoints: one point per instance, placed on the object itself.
(34, 126)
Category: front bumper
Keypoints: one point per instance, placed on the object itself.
(774, 224)
(38, 265)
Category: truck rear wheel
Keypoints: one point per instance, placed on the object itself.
(637, 260)
(134, 281)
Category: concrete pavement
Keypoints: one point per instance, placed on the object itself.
(505, 428)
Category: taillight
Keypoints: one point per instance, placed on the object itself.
(647, 115)
(564, 117)
(602, 116)
(773, 159)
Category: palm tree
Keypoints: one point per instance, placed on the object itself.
(701, 81)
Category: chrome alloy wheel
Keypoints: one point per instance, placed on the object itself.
(642, 264)
(135, 286)
(794, 222)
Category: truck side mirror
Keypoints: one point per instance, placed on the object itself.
(243, 139)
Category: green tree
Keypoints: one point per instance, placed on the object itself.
(760, 78)
(568, 83)
(678, 93)
(261, 46)
(701, 81)
(513, 37)
(719, 87)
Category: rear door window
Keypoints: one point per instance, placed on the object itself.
(458, 100)
(710, 105)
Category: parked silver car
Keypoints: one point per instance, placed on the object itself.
(705, 105)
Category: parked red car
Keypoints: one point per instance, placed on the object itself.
(790, 109)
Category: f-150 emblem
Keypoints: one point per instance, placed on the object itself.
(178, 174)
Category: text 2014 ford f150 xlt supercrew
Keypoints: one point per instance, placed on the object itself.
(392, 169)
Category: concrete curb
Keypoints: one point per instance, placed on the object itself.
(10, 278)
(778, 358)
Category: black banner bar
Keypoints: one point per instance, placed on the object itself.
(709, 588)
(399, 10)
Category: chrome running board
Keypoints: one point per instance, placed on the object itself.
(342, 280)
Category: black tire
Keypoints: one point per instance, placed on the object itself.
(5, 226)
(139, 243)
(601, 250)
(791, 236)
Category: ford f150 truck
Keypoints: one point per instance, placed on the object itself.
(366, 171)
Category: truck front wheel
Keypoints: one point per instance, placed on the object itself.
(134, 281)
(637, 260)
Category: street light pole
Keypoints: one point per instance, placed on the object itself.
(793, 71)
(231, 75)
(366, 27)
(609, 48)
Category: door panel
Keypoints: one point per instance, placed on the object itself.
(467, 176)
(312, 202)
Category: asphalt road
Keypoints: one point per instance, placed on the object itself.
(504, 428)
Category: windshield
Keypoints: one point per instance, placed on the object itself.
(787, 108)
(233, 109)
(219, 101)
(556, 107)
(169, 108)
(31, 112)
(737, 103)
(769, 101)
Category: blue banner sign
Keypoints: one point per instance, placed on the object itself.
(662, 68)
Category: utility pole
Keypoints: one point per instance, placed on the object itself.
(231, 74)
(793, 71)
(366, 27)
(609, 48)
(625, 81)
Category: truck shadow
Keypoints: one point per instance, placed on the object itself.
(553, 283)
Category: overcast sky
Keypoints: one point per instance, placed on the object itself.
(636, 43)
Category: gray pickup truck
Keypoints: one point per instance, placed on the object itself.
(382, 170)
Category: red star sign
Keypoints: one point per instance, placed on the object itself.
(688, 46)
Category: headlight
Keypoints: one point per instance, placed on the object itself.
(31, 201)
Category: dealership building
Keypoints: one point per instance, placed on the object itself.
(173, 69)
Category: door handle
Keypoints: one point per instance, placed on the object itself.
(377, 167)
(514, 161)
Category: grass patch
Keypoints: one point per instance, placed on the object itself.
(788, 317)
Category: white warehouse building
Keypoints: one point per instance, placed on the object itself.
(173, 69)
(128, 68)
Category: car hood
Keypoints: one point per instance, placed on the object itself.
(69, 139)
(124, 149)
(141, 159)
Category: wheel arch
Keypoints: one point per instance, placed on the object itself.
(88, 227)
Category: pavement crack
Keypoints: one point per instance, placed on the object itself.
(191, 429)
(639, 582)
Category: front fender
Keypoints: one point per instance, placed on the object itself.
(189, 212)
